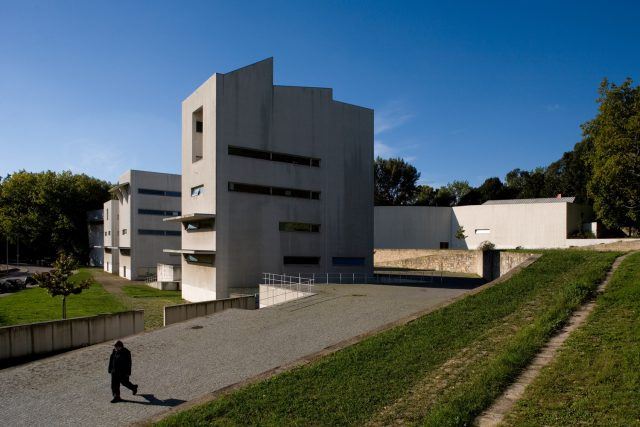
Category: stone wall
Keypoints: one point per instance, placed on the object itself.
(459, 261)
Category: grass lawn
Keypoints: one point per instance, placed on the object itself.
(595, 380)
(35, 304)
(442, 369)
(151, 300)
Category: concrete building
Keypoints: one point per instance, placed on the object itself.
(95, 228)
(275, 179)
(527, 223)
(134, 233)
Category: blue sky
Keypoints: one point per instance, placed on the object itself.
(463, 90)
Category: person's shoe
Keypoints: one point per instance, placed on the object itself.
(116, 400)
(135, 389)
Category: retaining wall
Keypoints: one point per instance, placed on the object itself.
(182, 312)
(25, 341)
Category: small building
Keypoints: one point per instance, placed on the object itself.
(275, 179)
(95, 228)
(527, 223)
(134, 233)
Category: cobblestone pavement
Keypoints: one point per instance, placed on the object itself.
(187, 360)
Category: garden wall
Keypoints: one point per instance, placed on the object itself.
(33, 339)
(182, 312)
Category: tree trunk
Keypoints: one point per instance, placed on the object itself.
(64, 306)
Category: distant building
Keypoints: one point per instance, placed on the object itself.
(95, 226)
(275, 179)
(527, 223)
(134, 233)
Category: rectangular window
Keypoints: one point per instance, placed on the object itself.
(273, 156)
(300, 226)
(199, 259)
(149, 232)
(444, 245)
(151, 192)
(158, 212)
(197, 190)
(107, 214)
(483, 231)
(199, 225)
(347, 261)
(125, 251)
(274, 191)
(197, 132)
(124, 231)
(309, 260)
(105, 233)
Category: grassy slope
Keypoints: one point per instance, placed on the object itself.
(35, 304)
(596, 378)
(152, 301)
(352, 385)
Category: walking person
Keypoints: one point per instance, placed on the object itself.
(120, 370)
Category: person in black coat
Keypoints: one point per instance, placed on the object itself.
(120, 369)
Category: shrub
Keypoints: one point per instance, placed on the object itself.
(486, 246)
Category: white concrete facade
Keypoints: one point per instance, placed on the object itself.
(530, 225)
(135, 233)
(275, 179)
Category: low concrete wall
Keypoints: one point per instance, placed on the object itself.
(182, 312)
(272, 295)
(591, 242)
(488, 264)
(24, 341)
(460, 261)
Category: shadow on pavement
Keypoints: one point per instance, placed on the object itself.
(152, 400)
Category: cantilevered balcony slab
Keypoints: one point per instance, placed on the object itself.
(190, 217)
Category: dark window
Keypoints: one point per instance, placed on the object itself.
(197, 190)
(107, 250)
(299, 226)
(125, 251)
(202, 225)
(273, 156)
(444, 245)
(301, 260)
(339, 260)
(199, 259)
(159, 192)
(148, 232)
(158, 212)
(198, 126)
(124, 231)
(274, 191)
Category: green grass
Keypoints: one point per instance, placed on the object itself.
(595, 380)
(152, 301)
(353, 385)
(35, 304)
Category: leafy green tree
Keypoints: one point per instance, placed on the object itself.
(614, 135)
(57, 282)
(395, 182)
(425, 196)
(46, 211)
(460, 233)
(458, 189)
(444, 197)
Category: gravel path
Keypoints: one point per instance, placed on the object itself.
(187, 360)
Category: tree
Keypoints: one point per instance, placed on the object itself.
(614, 135)
(458, 190)
(460, 233)
(57, 282)
(46, 211)
(395, 182)
(425, 196)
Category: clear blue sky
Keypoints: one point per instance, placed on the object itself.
(464, 90)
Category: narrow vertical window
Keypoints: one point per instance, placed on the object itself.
(197, 132)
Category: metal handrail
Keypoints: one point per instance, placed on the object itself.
(287, 283)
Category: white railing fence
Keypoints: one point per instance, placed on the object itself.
(283, 287)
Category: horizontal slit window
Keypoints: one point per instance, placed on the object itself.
(273, 156)
(158, 212)
(199, 225)
(309, 260)
(199, 259)
(483, 231)
(299, 226)
(274, 191)
(350, 261)
(151, 192)
(149, 232)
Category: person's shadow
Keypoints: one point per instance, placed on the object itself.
(152, 400)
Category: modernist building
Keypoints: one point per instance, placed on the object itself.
(275, 179)
(134, 233)
(95, 228)
(527, 223)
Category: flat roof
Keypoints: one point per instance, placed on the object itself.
(528, 201)
(189, 251)
(190, 217)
